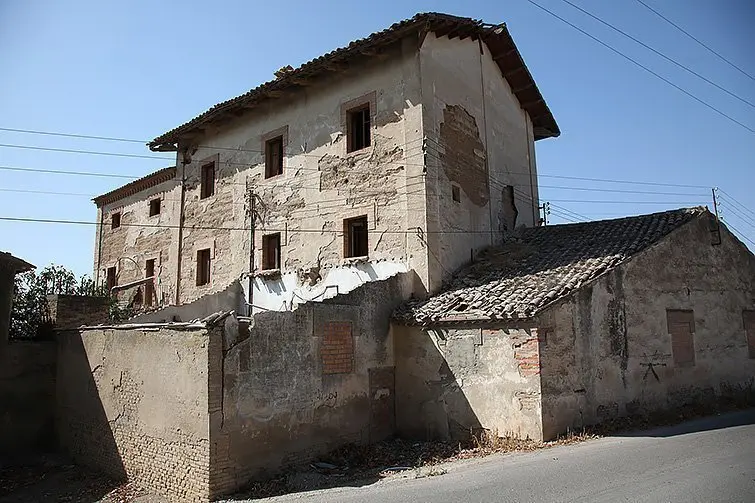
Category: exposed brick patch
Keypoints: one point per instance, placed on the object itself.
(527, 355)
(337, 348)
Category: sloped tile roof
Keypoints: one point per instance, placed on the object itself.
(496, 37)
(14, 264)
(520, 278)
(131, 188)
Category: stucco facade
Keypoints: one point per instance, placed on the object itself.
(668, 326)
(449, 169)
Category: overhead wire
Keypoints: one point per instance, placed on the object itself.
(700, 42)
(640, 65)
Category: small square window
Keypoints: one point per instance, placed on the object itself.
(112, 278)
(154, 207)
(115, 220)
(355, 237)
(208, 180)
(271, 251)
(204, 261)
(358, 124)
(274, 157)
(456, 193)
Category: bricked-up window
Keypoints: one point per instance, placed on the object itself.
(274, 157)
(203, 266)
(271, 251)
(358, 123)
(154, 207)
(208, 180)
(749, 323)
(337, 348)
(355, 237)
(681, 326)
(456, 193)
(112, 278)
(115, 220)
(149, 287)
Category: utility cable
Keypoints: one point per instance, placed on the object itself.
(637, 63)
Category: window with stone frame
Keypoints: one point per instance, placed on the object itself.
(359, 134)
(274, 157)
(115, 220)
(111, 278)
(681, 327)
(154, 206)
(204, 265)
(356, 237)
(207, 188)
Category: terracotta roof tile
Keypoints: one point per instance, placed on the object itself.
(496, 37)
(520, 278)
(131, 188)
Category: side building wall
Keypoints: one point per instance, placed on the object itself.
(299, 384)
(134, 404)
(479, 140)
(458, 381)
(608, 350)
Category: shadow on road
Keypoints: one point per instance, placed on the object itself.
(717, 422)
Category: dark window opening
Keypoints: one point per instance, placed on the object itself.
(154, 207)
(203, 267)
(112, 279)
(115, 220)
(208, 180)
(358, 128)
(149, 287)
(355, 237)
(274, 157)
(271, 251)
(456, 193)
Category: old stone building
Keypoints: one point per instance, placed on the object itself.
(409, 150)
(570, 325)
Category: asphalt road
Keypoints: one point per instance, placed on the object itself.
(706, 460)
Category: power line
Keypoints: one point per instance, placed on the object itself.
(72, 135)
(63, 172)
(740, 233)
(637, 63)
(732, 199)
(659, 53)
(695, 39)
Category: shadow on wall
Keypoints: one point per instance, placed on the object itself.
(83, 429)
(431, 404)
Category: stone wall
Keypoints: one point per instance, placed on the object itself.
(134, 404)
(458, 381)
(27, 396)
(607, 349)
(300, 383)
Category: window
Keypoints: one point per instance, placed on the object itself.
(681, 326)
(274, 157)
(456, 193)
(154, 207)
(749, 322)
(149, 287)
(112, 279)
(355, 237)
(115, 220)
(203, 267)
(358, 124)
(271, 251)
(208, 180)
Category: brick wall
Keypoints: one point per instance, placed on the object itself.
(134, 404)
(73, 311)
(337, 348)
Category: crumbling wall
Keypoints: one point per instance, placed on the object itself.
(608, 350)
(298, 384)
(478, 140)
(322, 184)
(140, 238)
(455, 382)
(133, 403)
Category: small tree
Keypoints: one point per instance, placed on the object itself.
(30, 318)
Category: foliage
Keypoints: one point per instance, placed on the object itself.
(30, 318)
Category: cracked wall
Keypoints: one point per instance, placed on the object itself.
(321, 184)
(134, 404)
(607, 352)
(139, 238)
(480, 140)
(456, 381)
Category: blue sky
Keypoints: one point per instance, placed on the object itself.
(137, 69)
